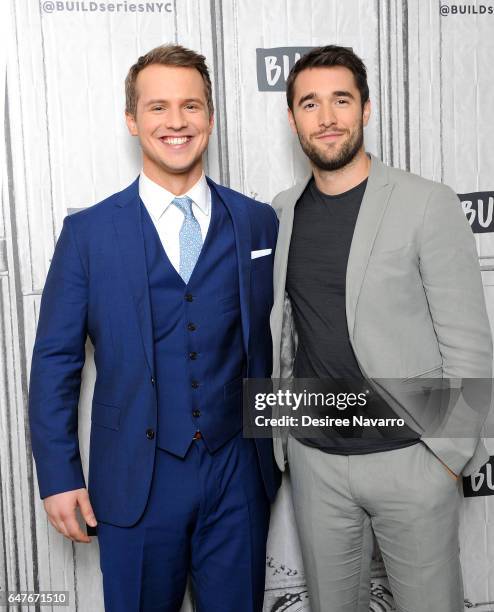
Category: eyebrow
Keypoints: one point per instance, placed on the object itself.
(335, 94)
(309, 96)
(343, 94)
(198, 100)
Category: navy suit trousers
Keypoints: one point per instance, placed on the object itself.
(207, 515)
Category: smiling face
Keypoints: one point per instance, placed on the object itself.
(172, 122)
(328, 116)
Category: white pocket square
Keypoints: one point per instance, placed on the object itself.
(261, 253)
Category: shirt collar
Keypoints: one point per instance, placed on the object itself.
(157, 198)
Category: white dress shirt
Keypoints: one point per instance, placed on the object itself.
(168, 219)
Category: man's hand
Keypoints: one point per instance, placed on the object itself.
(450, 472)
(61, 511)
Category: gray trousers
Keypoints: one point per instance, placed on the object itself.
(410, 502)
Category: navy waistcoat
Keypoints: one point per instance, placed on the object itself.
(198, 348)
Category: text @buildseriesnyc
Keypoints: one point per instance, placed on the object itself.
(390, 408)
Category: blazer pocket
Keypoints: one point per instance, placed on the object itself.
(261, 261)
(105, 415)
(397, 251)
(435, 372)
(233, 387)
(260, 253)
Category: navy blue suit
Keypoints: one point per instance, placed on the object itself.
(170, 358)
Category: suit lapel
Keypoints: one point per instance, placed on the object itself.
(128, 228)
(287, 202)
(242, 230)
(284, 205)
(372, 209)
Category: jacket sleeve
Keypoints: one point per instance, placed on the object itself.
(453, 286)
(58, 358)
(452, 282)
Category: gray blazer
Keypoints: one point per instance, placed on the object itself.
(414, 299)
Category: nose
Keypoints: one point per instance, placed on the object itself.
(175, 119)
(327, 115)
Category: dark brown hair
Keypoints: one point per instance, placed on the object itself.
(327, 57)
(167, 55)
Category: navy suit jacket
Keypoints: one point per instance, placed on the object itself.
(97, 287)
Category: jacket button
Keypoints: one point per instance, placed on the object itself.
(189, 297)
(194, 384)
(191, 327)
(149, 434)
(193, 355)
(153, 380)
(196, 413)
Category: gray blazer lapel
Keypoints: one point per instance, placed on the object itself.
(284, 205)
(372, 209)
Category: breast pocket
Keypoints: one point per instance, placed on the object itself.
(260, 263)
(393, 252)
(261, 280)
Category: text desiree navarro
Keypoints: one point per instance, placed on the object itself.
(308, 421)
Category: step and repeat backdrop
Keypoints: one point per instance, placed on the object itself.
(65, 146)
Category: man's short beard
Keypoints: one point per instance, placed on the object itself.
(346, 154)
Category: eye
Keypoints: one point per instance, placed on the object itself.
(309, 106)
(158, 107)
(342, 101)
(191, 107)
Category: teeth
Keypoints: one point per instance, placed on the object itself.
(176, 141)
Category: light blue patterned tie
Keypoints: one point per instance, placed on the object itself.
(190, 238)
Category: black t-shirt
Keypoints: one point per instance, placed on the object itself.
(322, 234)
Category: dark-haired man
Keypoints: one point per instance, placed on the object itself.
(171, 278)
(376, 277)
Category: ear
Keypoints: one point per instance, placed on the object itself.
(131, 124)
(211, 123)
(291, 121)
(366, 112)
